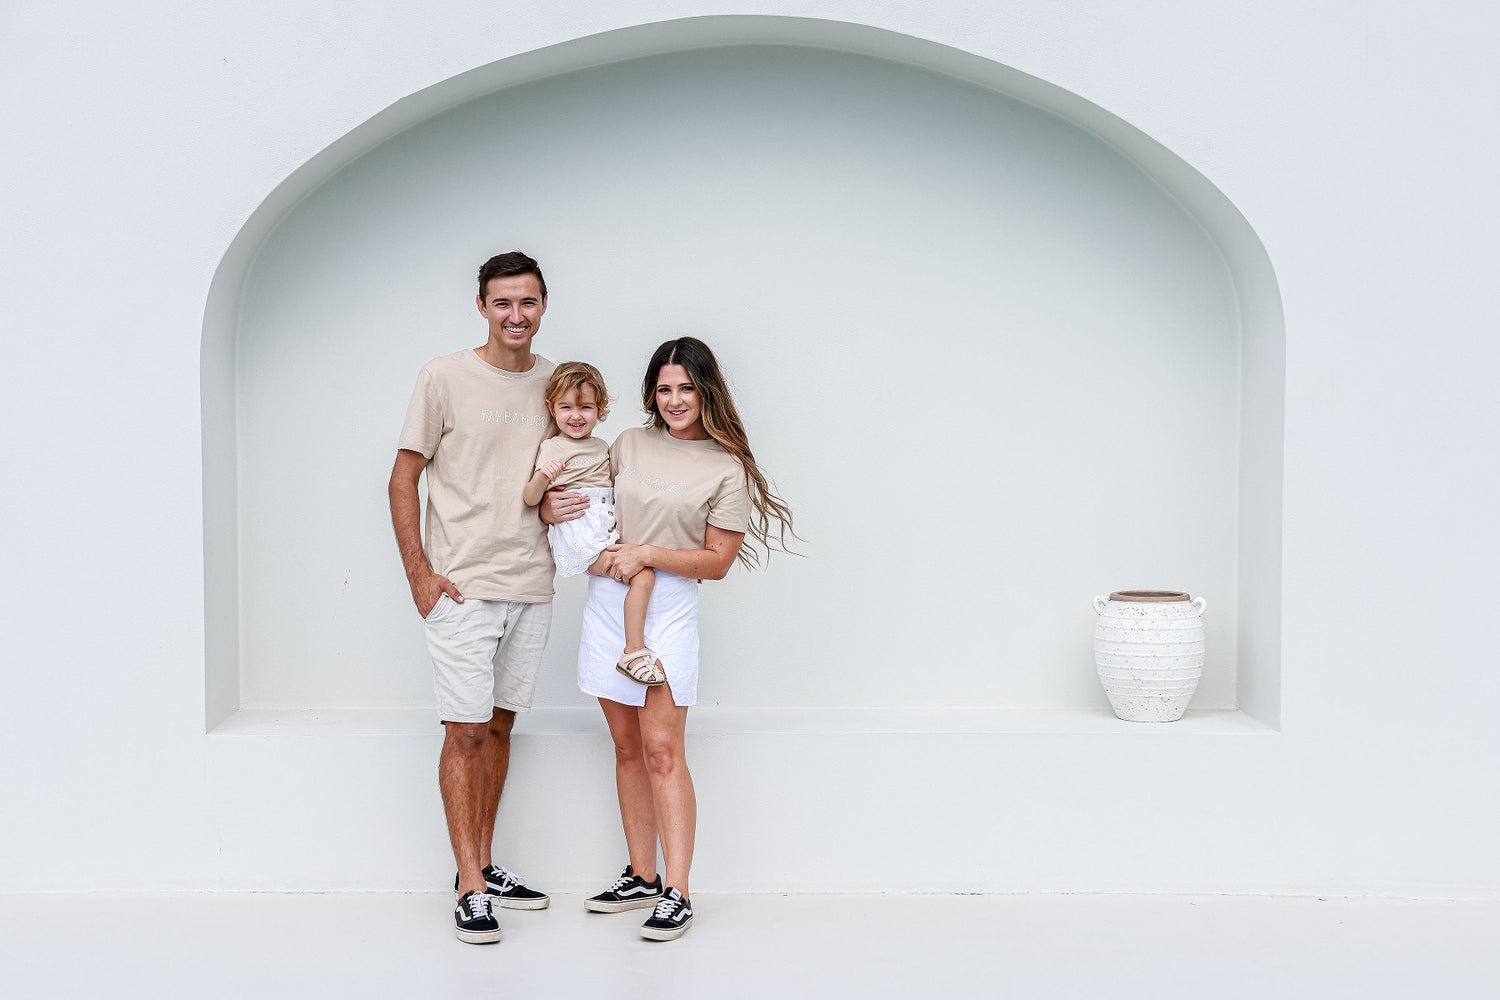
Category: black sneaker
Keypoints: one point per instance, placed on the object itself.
(629, 892)
(475, 919)
(671, 919)
(508, 891)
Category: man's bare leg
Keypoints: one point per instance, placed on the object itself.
(496, 763)
(461, 779)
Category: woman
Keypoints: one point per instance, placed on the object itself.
(687, 491)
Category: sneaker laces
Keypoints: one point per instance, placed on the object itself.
(625, 879)
(508, 879)
(664, 908)
(478, 903)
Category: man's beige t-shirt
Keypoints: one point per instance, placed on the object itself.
(480, 427)
(668, 490)
(585, 462)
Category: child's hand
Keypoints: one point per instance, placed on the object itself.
(551, 470)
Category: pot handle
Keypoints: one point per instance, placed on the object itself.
(1199, 603)
(1100, 603)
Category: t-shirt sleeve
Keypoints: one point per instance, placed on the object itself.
(729, 507)
(549, 451)
(614, 454)
(424, 418)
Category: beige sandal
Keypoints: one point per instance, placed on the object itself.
(642, 666)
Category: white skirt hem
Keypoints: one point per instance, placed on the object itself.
(671, 633)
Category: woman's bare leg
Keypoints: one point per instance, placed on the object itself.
(633, 786)
(663, 729)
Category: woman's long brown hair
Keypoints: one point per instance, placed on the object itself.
(723, 423)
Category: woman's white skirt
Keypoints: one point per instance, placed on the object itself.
(671, 632)
(577, 543)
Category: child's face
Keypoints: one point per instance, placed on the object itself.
(576, 412)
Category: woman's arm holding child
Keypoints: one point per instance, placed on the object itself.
(712, 562)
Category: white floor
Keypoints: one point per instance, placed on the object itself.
(402, 945)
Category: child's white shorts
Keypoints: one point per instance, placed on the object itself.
(671, 632)
(577, 543)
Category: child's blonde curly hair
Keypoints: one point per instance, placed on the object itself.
(571, 375)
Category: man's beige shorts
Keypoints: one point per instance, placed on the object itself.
(485, 655)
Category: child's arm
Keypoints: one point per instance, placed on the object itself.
(541, 481)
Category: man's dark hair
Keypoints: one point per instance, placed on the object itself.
(505, 265)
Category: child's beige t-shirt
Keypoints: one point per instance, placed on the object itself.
(668, 490)
(480, 427)
(585, 461)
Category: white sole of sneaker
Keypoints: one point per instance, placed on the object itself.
(523, 904)
(664, 934)
(597, 906)
(518, 904)
(478, 937)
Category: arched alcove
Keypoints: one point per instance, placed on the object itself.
(1001, 350)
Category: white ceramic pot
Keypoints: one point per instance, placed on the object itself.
(1148, 646)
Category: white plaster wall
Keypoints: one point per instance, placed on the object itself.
(994, 367)
(1360, 141)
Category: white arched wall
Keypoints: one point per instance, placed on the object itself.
(1055, 276)
(175, 137)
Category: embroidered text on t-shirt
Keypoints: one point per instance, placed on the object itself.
(654, 482)
(507, 417)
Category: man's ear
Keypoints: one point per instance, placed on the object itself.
(479, 301)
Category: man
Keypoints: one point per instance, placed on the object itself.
(483, 581)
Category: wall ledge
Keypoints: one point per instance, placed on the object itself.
(719, 721)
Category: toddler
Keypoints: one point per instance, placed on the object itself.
(578, 461)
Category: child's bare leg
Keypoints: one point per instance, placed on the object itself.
(642, 667)
(635, 609)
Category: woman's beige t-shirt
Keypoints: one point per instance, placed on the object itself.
(667, 491)
(480, 426)
(585, 461)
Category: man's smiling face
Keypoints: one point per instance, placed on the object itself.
(514, 306)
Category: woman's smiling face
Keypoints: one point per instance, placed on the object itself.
(677, 402)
